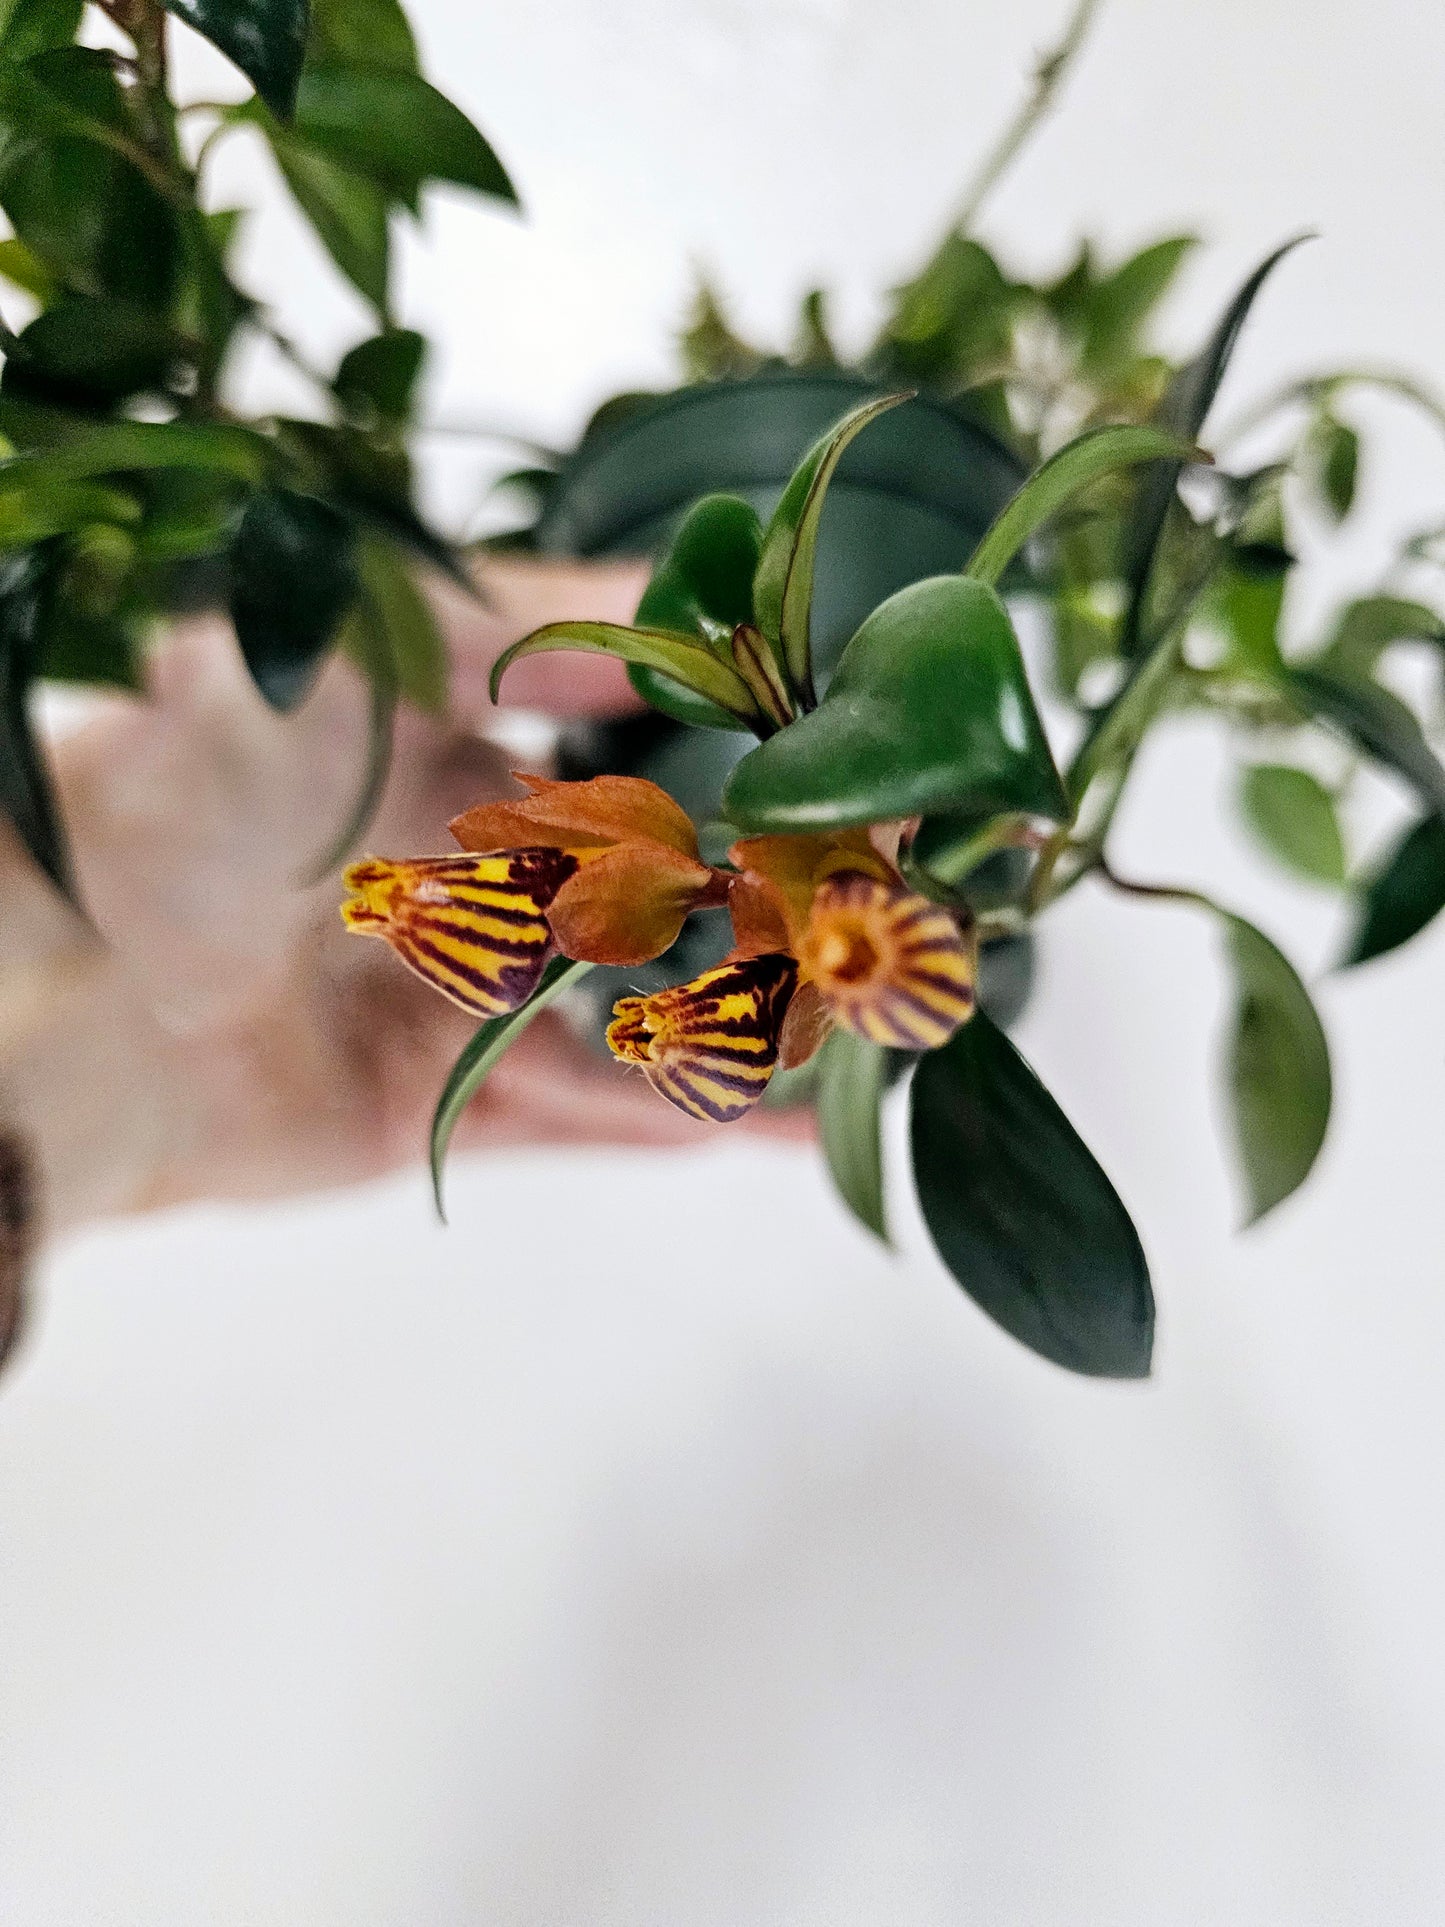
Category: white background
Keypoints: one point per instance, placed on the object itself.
(649, 1550)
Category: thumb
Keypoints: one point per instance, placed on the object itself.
(520, 593)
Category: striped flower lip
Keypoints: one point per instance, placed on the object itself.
(709, 1047)
(888, 964)
(475, 927)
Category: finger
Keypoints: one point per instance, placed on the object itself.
(522, 593)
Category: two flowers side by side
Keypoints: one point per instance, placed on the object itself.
(826, 932)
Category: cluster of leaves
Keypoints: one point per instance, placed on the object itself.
(1157, 599)
(128, 487)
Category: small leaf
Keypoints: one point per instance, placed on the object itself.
(1116, 307)
(679, 657)
(394, 128)
(1097, 452)
(1293, 815)
(1376, 722)
(704, 587)
(293, 578)
(852, 1077)
(783, 584)
(378, 377)
(1279, 1070)
(22, 269)
(476, 1061)
(950, 322)
(77, 446)
(90, 353)
(348, 212)
(372, 32)
(1337, 454)
(928, 711)
(415, 649)
(1021, 1212)
(266, 39)
(1404, 893)
(39, 27)
(1365, 629)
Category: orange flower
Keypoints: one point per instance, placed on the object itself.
(636, 871)
(709, 1047)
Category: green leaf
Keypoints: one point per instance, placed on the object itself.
(1365, 629)
(1376, 722)
(852, 1077)
(377, 379)
(293, 579)
(78, 446)
(22, 269)
(371, 478)
(266, 39)
(1293, 815)
(1405, 892)
(679, 657)
(783, 584)
(704, 587)
(950, 322)
(1182, 413)
(928, 711)
(475, 1063)
(39, 26)
(348, 212)
(1279, 1070)
(1117, 306)
(413, 641)
(1021, 1212)
(89, 353)
(36, 504)
(395, 129)
(374, 32)
(1250, 606)
(1337, 457)
(26, 797)
(1097, 452)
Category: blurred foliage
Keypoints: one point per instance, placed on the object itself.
(129, 486)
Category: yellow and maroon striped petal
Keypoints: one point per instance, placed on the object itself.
(474, 927)
(710, 1046)
(889, 964)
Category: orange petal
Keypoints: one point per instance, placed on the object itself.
(628, 904)
(709, 1047)
(805, 1027)
(890, 965)
(795, 865)
(759, 917)
(579, 816)
(474, 927)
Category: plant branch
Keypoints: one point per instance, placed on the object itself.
(1049, 74)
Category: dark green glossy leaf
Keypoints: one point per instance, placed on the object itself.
(377, 379)
(852, 1077)
(86, 211)
(1293, 815)
(475, 1063)
(293, 579)
(404, 618)
(783, 585)
(703, 586)
(373, 32)
(26, 797)
(1279, 1070)
(1097, 452)
(1021, 1212)
(394, 128)
(679, 657)
(1182, 413)
(89, 352)
(38, 26)
(371, 478)
(1405, 892)
(1376, 722)
(266, 39)
(929, 711)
